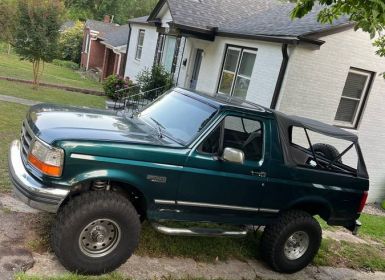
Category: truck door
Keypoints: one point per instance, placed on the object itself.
(217, 190)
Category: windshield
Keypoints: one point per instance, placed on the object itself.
(178, 116)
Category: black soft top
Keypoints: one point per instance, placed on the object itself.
(286, 123)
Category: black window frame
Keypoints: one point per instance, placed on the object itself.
(242, 48)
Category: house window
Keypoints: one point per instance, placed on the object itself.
(237, 69)
(139, 46)
(353, 97)
(159, 49)
(169, 53)
(87, 44)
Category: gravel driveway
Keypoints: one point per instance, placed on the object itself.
(15, 231)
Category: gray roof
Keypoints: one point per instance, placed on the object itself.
(118, 37)
(139, 20)
(246, 17)
(102, 27)
(66, 25)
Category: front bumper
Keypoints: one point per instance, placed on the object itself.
(30, 190)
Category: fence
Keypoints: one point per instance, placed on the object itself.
(133, 99)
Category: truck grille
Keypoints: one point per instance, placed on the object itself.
(26, 140)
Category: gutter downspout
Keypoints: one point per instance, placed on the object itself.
(281, 76)
(128, 46)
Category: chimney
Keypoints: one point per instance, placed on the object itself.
(107, 19)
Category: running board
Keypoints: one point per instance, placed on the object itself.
(197, 231)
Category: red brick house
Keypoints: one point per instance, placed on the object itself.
(104, 47)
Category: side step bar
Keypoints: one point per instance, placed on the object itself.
(197, 231)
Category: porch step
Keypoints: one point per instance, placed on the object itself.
(195, 231)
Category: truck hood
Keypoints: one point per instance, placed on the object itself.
(52, 123)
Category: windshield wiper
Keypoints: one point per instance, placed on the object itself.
(159, 127)
(162, 132)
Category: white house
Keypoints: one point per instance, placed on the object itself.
(253, 50)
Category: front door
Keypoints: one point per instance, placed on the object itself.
(197, 67)
(212, 189)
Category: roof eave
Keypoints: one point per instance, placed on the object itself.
(268, 38)
(156, 10)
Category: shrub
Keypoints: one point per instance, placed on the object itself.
(71, 42)
(66, 64)
(154, 77)
(113, 83)
(383, 205)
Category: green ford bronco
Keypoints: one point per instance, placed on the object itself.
(186, 157)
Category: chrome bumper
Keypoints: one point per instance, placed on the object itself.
(28, 189)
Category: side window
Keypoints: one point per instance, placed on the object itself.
(240, 133)
(139, 46)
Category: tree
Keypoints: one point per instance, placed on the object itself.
(37, 33)
(122, 10)
(70, 43)
(7, 21)
(369, 16)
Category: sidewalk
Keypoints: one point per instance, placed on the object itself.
(18, 100)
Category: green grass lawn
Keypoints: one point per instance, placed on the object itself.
(373, 227)
(12, 66)
(11, 115)
(50, 95)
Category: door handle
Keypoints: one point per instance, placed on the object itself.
(258, 173)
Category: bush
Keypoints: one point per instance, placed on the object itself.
(114, 83)
(71, 43)
(66, 64)
(153, 78)
(383, 205)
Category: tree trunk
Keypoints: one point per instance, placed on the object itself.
(35, 66)
(37, 72)
(9, 49)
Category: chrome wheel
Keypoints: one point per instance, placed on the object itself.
(296, 245)
(99, 238)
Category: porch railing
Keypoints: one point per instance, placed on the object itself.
(133, 99)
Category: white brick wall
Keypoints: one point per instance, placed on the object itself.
(313, 86)
(265, 71)
(133, 66)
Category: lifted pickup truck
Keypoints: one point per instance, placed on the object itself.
(185, 157)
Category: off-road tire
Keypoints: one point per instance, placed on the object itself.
(327, 151)
(275, 235)
(77, 214)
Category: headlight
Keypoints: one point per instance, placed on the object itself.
(47, 159)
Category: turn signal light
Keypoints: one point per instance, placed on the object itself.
(43, 167)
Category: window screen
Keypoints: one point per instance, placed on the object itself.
(352, 97)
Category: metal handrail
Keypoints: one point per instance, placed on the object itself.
(137, 101)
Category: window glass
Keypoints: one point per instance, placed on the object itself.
(347, 110)
(169, 52)
(226, 83)
(237, 71)
(240, 133)
(352, 97)
(231, 61)
(139, 47)
(247, 64)
(184, 119)
(241, 87)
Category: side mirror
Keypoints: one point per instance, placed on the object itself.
(233, 155)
